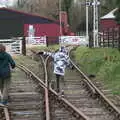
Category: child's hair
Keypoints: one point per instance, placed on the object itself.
(2, 48)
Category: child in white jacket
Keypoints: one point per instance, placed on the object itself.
(61, 61)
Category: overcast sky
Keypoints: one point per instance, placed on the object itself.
(7, 2)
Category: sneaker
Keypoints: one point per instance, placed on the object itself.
(62, 93)
(1, 104)
(5, 102)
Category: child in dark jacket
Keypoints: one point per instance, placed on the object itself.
(6, 63)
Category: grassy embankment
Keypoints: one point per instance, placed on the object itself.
(42, 48)
(24, 59)
(102, 62)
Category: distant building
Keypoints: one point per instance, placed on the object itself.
(15, 23)
(108, 21)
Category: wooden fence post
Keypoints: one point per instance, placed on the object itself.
(24, 46)
(47, 41)
(104, 36)
(108, 36)
(113, 37)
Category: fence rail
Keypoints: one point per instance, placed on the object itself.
(13, 46)
(110, 38)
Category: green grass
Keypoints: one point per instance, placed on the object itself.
(42, 48)
(102, 62)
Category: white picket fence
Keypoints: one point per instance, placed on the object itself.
(41, 40)
(13, 46)
(73, 40)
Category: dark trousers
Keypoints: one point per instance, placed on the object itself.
(59, 79)
(4, 83)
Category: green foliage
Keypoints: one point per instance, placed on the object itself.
(104, 63)
(88, 57)
(118, 2)
(66, 5)
(117, 13)
(42, 48)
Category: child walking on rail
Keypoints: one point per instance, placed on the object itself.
(61, 61)
(6, 63)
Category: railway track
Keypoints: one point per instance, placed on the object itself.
(60, 108)
(30, 97)
(25, 101)
(84, 95)
(79, 89)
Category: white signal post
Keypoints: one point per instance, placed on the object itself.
(95, 23)
(87, 4)
(87, 35)
(95, 4)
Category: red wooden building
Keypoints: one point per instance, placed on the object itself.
(108, 21)
(15, 23)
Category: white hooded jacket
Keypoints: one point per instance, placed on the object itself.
(61, 61)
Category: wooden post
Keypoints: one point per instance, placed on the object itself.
(24, 46)
(108, 37)
(104, 37)
(113, 37)
(47, 41)
(119, 39)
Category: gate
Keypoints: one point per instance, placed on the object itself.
(13, 46)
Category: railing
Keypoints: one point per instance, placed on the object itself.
(13, 46)
(110, 38)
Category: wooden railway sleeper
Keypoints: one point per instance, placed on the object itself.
(90, 87)
(75, 114)
(61, 103)
(110, 108)
(117, 116)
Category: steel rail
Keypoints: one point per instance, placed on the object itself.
(46, 90)
(80, 115)
(98, 93)
(7, 115)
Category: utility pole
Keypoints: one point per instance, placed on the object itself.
(60, 19)
(95, 23)
(87, 36)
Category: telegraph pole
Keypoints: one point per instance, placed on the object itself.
(95, 23)
(60, 19)
(87, 36)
